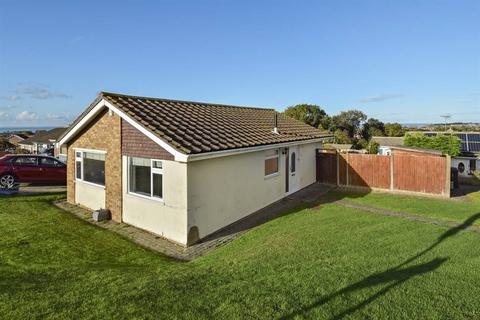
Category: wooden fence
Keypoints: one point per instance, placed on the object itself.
(403, 171)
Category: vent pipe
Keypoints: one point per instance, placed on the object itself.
(275, 123)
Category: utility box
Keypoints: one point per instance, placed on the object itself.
(101, 215)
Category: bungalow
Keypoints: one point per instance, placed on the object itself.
(17, 138)
(41, 141)
(181, 169)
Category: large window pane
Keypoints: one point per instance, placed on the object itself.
(140, 176)
(157, 185)
(94, 168)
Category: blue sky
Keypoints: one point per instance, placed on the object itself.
(406, 61)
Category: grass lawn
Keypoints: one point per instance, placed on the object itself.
(447, 210)
(328, 262)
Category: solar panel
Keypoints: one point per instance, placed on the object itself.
(430, 134)
(474, 137)
(462, 136)
(474, 146)
(464, 147)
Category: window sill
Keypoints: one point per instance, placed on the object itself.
(90, 184)
(271, 175)
(136, 195)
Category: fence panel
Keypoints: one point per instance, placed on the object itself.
(419, 173)
(411, 171)
(327, 167)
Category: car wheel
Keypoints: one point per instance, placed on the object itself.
(7, 181)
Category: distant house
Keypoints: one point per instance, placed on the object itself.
(182, 169)
(41, 141)
(16, 138)
(338, 146)
(386, 144)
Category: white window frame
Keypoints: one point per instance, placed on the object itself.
(153, 171)
(277, 156)
(80, 159)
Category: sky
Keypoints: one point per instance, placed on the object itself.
(403, 61)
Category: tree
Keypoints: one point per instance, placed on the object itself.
(372, 147)
(450, 145)
(351, 121)
(394, 130)
(341, 137)
(325, 123)
(372, 128)
(309, 113)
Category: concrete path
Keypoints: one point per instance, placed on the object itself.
(387, 212)
(35, 190)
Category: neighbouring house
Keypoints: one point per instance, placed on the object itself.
(466, 166)
(385, 144)
(41, 141)
(338, 146)
(181, 169)
(16, 138)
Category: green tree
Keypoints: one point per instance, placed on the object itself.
(372, 128)
(450, 145)
(350, 121)
(309, 113)
(372, 147)
(325, 123)
(394, 130)
(341, 136)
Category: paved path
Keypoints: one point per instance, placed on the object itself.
(387, 212)
(33, 190)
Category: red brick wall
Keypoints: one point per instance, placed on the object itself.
(136, 144)
(103, 133)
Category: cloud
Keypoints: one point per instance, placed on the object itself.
(40, 92)
(8, 107)
(77, 39)
(57, 116)
(26, 116)
(381, 97)
(13, 97)
(4, 115)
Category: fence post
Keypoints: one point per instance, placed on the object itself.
(338, 168)
(346, 169)
(448, 164)
(391, 172)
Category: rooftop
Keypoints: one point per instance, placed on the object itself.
(198, 127)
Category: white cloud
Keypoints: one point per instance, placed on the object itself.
(26, 116)
(381, 97)
(57, 116)
(13, 97)
(4, 115)
(40, 92)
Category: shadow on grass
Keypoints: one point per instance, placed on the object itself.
(393, 276)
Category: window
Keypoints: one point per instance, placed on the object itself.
(293, 163)
(271, 163)
(90, 167)
(146, 177)
(49, 162)
(26, 161)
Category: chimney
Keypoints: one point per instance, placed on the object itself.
(275, 124)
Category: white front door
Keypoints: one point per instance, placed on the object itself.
(293, 157)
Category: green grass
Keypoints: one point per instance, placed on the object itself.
(324, 263)
(446, 210)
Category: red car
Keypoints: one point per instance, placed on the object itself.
(32, 169)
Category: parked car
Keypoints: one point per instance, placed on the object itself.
(29, 168)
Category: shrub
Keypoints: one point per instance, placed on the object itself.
(450, 145)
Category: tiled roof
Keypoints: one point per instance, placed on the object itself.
(389, 141)
(195, 127)
(43, 136)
